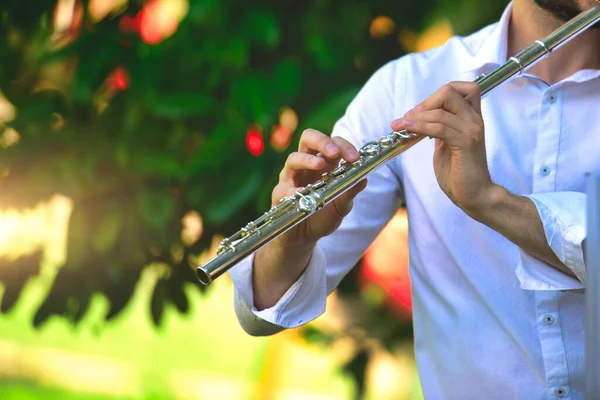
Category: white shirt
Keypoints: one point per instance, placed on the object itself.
(490, 321)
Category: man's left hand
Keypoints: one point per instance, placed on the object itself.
(452, 116)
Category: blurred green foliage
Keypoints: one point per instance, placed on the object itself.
(174, 140)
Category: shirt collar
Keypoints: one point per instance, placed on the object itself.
(492, 52)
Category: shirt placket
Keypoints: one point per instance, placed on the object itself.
(548, 136)
(544, 180)
(551, 341)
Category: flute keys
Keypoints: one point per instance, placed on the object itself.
(307, 204)
(370, 149)
(250, 229)
(341, 170)
(387, 140)
(226, 245)
(317, 185)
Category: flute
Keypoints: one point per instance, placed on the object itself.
(294, 209)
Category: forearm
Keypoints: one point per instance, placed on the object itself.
(517, 218)
(276, 268)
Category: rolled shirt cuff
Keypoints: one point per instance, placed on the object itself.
(304, 301)
(563, 217)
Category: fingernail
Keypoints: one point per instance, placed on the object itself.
(397, 121)
(408, 122)
(331, 148)
(315, 160)
(352, 153)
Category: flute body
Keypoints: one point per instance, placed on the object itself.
(294, 209)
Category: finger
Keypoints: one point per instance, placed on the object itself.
(437, 130)
(451, 100)
(435, 116)
(343, 204)
(348, 151)
(314, 142)
(282, 190)
(471, 92)
(300, 162)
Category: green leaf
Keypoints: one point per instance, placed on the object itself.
(254, 95)
(329, 112)
(263, 27)
(316, 336)
(182, 105)
(202, 10)
(287, 78)
(322, 51)
(241, 191)
(94, 66)
(235, 53)
(107, 234)
(156, 207)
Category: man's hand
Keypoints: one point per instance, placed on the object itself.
(317, 153)
(280, 263)
(452, 116)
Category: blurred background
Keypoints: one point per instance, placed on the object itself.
(134, 135)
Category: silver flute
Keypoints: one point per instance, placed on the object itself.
(294, 209)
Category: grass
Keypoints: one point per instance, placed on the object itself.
(203, 354)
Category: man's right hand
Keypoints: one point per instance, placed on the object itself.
(280, 263)
(317, 153)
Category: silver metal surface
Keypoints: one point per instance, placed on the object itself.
(295, 209)
(592, 290)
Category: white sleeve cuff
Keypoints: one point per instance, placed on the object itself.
(304, 301)
(563, 217)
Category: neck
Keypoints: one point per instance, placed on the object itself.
(530, 22)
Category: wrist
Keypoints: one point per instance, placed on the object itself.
(493, 198)
(276, 268)
(282, 261)
(284, 243)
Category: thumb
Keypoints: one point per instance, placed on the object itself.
(344, 203)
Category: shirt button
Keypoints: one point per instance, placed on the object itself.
(545, 170)
(549, 319)
(551, 99)
(560, 392)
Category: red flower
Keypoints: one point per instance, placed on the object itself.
(254, 141)
(118, 80)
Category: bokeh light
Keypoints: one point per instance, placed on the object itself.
(7, 110)
(159, 19)
(281, 137)
(381, 27)
(386, 264)
(254, 140)
(192, 227)
(67, 19)
(289, 119)
(118, 80)
(436, 35)
(58, 121)
(9, 137)
(99, 9)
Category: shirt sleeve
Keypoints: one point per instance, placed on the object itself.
(564, 219)
(367, 118)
